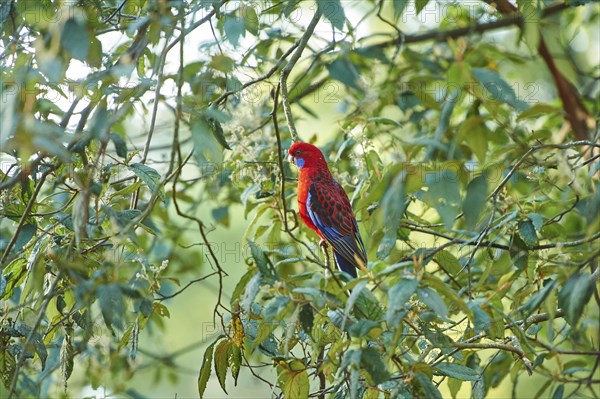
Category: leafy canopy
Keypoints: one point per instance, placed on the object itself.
(134, 132)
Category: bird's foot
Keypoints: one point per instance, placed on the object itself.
(323, 244)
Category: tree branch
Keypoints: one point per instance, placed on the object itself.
(24, 217)
(442, 36)
(285, 73)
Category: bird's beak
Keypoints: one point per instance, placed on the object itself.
(291, 159)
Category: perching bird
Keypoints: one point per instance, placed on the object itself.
(325, 208)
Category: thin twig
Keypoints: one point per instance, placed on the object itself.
(258, 79)
(287, 69)
(24, 217)
(442, 36)
(185, 287)
(36, 324)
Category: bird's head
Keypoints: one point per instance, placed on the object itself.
(305, 155)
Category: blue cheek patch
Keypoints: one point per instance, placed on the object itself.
(299, 162)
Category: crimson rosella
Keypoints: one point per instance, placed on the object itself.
(324, 207)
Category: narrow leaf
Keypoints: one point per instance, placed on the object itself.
(74, 39)
(342, 70)
(371, 361)
(149, 176)
(221, 361)
(333, 11)
(457, 371)
(475, 200)
(205, 368)
(498, 88)
(574, 295)
(112, 305)
(434, 301)
(120, 145)
(527, 233)
(398, 296)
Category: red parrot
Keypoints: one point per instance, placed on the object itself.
(324, 207)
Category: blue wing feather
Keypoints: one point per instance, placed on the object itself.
(349, 249)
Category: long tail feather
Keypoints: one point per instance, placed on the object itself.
(344, 265)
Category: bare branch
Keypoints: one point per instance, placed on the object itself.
(285, 73)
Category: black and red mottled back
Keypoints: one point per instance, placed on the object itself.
(325, 208)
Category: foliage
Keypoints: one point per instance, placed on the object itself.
(472, 165)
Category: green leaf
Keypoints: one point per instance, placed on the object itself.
(126, 191)
(527, 233)
(240, 288)
(250, 292)
(120, 145)
(7, 367)
(368, 304)
(94, 58)
(3, 284)
(475, 200)
(234, 29)
(559, 392)
(36, 341)
(236, 362)
(481, 319)
(333, 11)
(407, 100)
(530, 31)
(519, 252)
(293, 380)
(362, 327)
(420, 5)
(537, 111)
(498, 88)
(221, 215)
(371, 361)
(438, 339)
(112, 305)
(457, 371)
(393, 204)
(443, 194)
(207, 149)
(341, 69)
(537, 220)
(75, 40)
(222, 63)
(274, 308)
(66, 358)
(398, 296)
(433, 301)
(206, 368)
(448, 262)
(536, 299)
(149, 176)
(306, 318)
(430, 391)
(262, 262)
(454, 386)
(443, 123)
(221, 361)
(5, 10)
(25, 235)
(250, 17)
(399, 6)
(574, 295)
(214, 118)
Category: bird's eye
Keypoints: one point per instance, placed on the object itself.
(297, 152)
